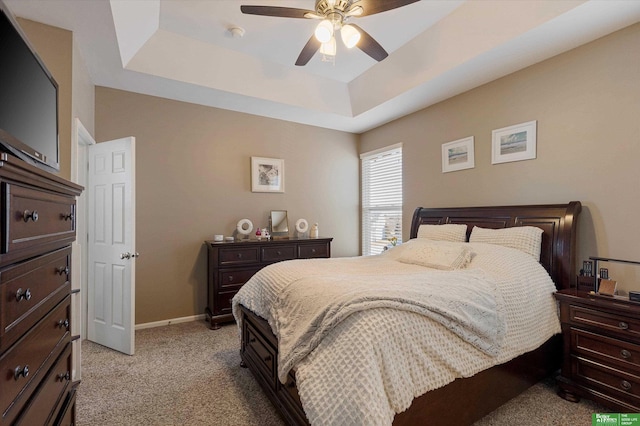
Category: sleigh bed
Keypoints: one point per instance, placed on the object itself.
(465, 399)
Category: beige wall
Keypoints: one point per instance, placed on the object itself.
(193, 181)
(83, 93)
(55, 48)
(587, 104)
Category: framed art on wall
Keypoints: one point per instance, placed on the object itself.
(514, 143)
(458, 155)
(267, 174)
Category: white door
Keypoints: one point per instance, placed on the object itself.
(111, 246)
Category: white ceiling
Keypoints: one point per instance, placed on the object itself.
(182, 49)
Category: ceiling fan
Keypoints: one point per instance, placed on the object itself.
(334, 16)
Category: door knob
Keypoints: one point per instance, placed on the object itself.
(128, 255)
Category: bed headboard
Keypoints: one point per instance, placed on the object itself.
(558, 221)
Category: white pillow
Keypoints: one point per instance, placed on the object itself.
(446, 232)
(524, 238)
(435, 254)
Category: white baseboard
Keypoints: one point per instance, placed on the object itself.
(200, 317)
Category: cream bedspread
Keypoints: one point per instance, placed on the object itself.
(365, 357)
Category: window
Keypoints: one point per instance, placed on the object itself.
(381, 198)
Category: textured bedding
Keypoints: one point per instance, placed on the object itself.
(366, 335)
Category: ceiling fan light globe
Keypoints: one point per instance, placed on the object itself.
(324, 31)
(350, 36)
(329, 48)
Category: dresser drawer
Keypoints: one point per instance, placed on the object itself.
(29, 290)
(261, 353)
(606, 349)
(222, 304)
(40, 410)
(67, 414)
(620, 325)
(236, 256)
(620, 384)
(36, 217)
(233, 279)
(278, 253)
(308, 251)
(36, 352)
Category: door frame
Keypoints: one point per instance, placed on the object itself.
(81, 139)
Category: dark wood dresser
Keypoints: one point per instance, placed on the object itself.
(601, 349)
(38, 227)
(231, 264)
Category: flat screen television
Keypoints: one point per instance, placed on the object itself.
(28, 99)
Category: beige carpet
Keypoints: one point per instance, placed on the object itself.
(186, 374)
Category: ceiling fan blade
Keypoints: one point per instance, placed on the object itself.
(281, 12)
(308, 51)
(369, 45)
(371, 7)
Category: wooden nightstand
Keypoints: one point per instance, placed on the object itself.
(601, 349)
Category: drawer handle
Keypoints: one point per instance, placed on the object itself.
(64, 376)
(63, 323)
(252, 340)
(267, 358)
(623, 325)
(625, 385)
(291, 384)
(279, 253)
(26, 215)
(23, 294)
(62, 270)
(20, 371)
(625, 354)
(230, 278)
(313, 251)
(66, 217)
(239, 255)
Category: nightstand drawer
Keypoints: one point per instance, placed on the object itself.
(610, 380)
(622, 326)
(278, 253)
(606, 349)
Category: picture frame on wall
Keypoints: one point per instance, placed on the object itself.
(267, 174)
(514, 143)
(458, 155)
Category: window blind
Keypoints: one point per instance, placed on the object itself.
(381, 198)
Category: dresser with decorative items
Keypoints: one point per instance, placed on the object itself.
(38, 227)
(601, 349)
(231, 264)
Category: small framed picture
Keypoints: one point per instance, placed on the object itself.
(267, 174)
(587, 267)
(514, 143)
(458, 155)
(604, 273)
